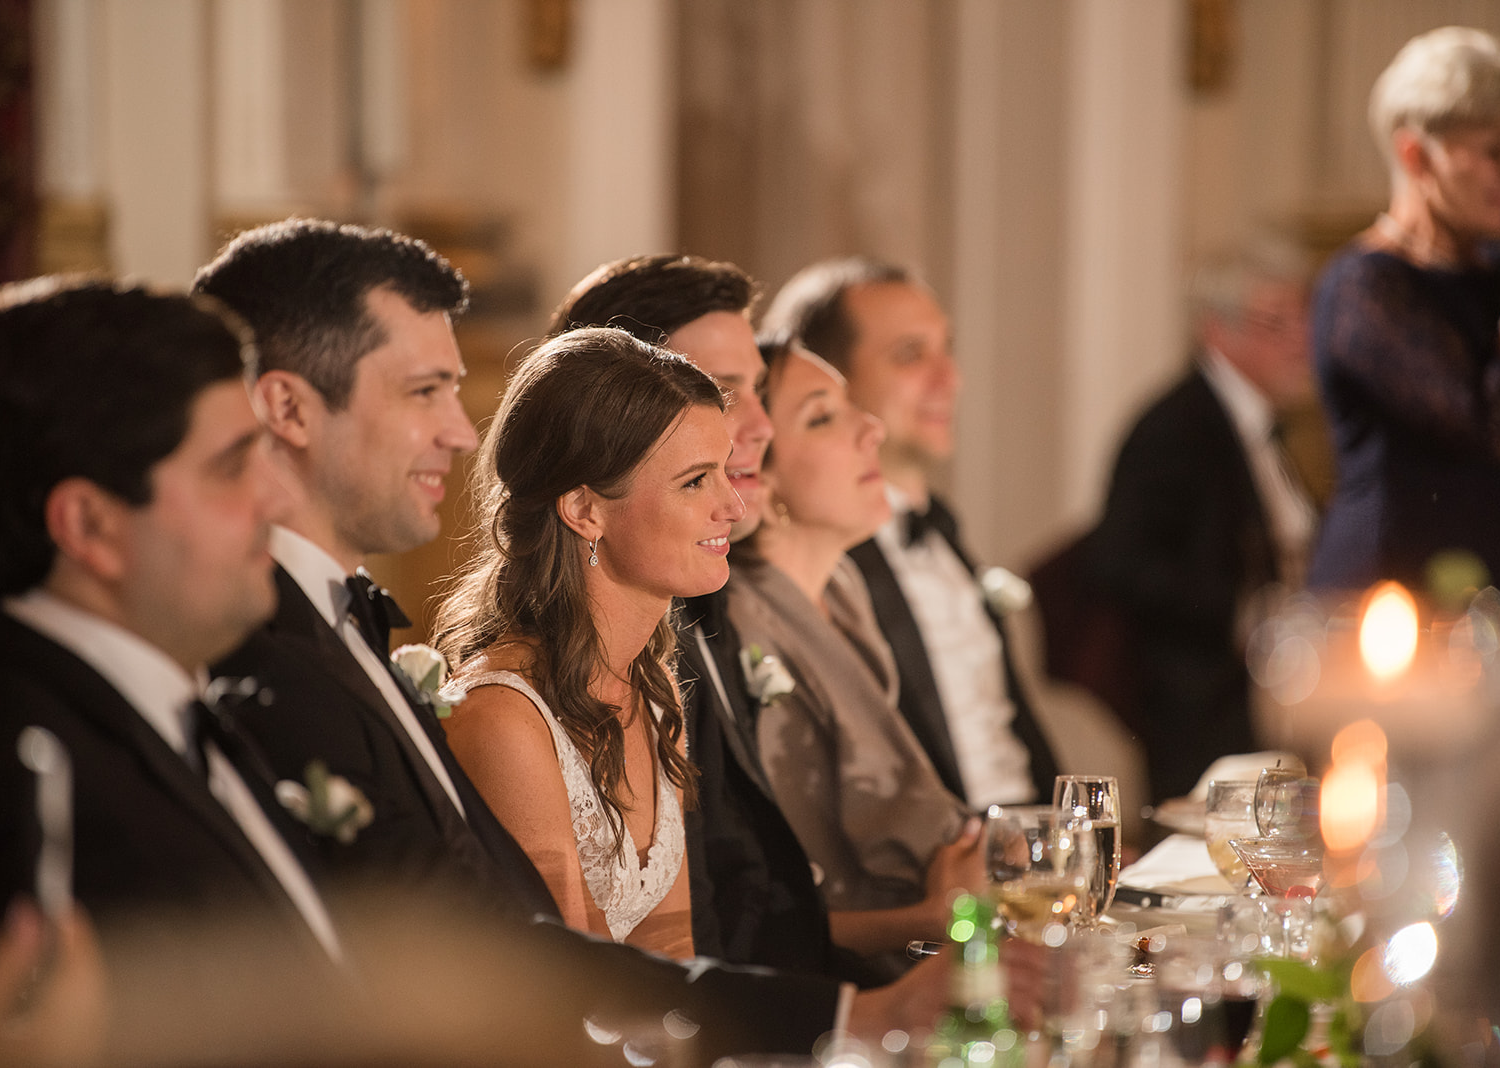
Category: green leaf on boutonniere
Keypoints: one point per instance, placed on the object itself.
(1287, 1019)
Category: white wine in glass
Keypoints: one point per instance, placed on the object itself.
(1229, 813)
(1096, 800)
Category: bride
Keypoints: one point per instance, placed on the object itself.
(601, 495)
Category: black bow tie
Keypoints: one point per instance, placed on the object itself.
(211, 718)
(375, 610)
(935, 518)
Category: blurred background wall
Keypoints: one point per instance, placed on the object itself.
(1051, 166)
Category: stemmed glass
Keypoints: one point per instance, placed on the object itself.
(1286, 859)
(1229, 813)
(1039, 868)
(1091, 803)
(1286, 804)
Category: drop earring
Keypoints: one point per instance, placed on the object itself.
(594, 553)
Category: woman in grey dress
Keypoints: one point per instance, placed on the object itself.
(892, 844)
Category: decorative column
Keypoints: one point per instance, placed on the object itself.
(1122, 320)
(621, 114)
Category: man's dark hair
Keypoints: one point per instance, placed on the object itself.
(810, 307)
(653, 296)
(302, 285)
(97, 382)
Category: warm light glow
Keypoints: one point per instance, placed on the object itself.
(1361, 742)
(1410, 953)
(1350, 809)
(1388, 631)
(1368, 981)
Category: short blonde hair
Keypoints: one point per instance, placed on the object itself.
(1439, 80)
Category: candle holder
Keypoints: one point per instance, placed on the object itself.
(1396, 703)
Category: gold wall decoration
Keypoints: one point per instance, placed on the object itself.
(549, 33)
(1213, 32)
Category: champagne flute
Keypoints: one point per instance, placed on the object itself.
(1094, 800)
(1230, 813)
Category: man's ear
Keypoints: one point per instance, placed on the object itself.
(87, 524)
(287, 403)
(579, 509)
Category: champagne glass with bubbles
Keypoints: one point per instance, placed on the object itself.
(1094, 800)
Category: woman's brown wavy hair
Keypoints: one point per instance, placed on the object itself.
(584, 409)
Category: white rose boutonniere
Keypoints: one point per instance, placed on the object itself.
(1005, 591)
(328, 804)
(766, 678)
(428, 671)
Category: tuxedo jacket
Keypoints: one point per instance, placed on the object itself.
(754, 900)
(919, 699)
(1183, 539)
(147, 833)
(326, 708)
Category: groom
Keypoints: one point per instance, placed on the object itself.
(359, 387)
(138, 498)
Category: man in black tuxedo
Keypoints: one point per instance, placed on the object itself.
(754, 900)
(137, 504)
(359, 388)
(959, 690)
(1204, 514)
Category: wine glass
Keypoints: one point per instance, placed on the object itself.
(1095, 800)
(1230, 813)
(1039, 868)
(1286, 804)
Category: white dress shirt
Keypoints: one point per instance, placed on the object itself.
(161, 692)
(322, 579)
(1289, 512)
(967, 659)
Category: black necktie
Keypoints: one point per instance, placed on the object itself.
(936, 518)
(375, 610)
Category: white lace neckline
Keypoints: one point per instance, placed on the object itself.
(624, 890)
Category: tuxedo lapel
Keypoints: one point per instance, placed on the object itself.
(300, 628)
(88, 695)
(300, 625)
(919, 701)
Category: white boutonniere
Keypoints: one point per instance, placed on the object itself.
(1005, 591)
(428, 671)
(766, 678)
(328, 804)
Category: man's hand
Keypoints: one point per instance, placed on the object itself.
(60, 1020)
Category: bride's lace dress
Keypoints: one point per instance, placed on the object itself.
(623, 890)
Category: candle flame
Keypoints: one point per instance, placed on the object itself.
(1388, 631)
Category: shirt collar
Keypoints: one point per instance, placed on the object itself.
(313, 568)
(153, 683)
(1246, 405)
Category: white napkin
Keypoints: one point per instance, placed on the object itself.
(1178, 864)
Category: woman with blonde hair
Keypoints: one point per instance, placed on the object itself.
(602, 495)
(1404, 329)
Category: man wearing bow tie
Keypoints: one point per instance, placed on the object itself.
(359, 385)
(959, 691)
(134, 522)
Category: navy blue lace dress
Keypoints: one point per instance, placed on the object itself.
(1407, 363)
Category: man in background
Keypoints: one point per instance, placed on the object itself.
(1205, 514)
(884, 330)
